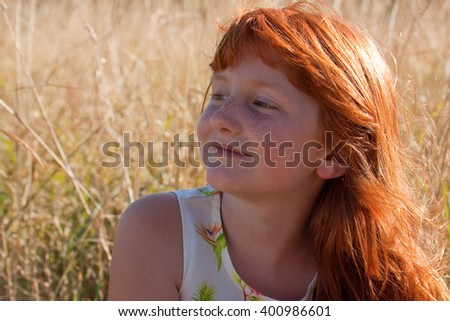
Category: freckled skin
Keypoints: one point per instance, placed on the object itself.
(230, 112)
(238, 116)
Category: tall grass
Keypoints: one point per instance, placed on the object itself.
(77, 74)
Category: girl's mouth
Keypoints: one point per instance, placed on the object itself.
(232, 149)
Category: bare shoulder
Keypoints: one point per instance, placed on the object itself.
(147, 259)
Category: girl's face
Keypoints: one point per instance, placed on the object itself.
(259, 133)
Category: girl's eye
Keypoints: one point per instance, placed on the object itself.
(264, 104)
(218, 97)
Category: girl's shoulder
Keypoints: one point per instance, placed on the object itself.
(155, 210)
(148, 250)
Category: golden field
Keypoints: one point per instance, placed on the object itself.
(77, 74)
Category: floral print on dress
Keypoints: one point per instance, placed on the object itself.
(249, 294)
(204, 292)
(213, 235)
(206, 192)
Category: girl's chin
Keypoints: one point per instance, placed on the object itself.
(225, 179)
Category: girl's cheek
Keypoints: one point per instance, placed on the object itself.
(261, 125)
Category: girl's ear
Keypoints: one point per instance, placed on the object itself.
(331, 169)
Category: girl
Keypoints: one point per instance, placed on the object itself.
(307, 198)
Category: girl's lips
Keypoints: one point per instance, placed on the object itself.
(224, 149)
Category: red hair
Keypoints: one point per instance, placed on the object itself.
(365, 228)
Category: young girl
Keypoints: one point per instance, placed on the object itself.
(307, 198)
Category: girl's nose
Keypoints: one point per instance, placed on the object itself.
(227, 118)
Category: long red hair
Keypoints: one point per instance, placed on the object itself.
(366, 231)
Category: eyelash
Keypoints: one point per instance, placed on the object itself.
(218, 97)
(264, 105)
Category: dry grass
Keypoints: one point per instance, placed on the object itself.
(76, 74)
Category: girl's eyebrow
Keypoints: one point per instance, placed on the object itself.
(268, 84)
(256, 82)
(219, 76)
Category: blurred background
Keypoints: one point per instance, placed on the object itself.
(75, 75)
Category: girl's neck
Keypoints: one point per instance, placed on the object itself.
(276, 226)
(268, 245)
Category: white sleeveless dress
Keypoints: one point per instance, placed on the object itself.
(208, 272)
